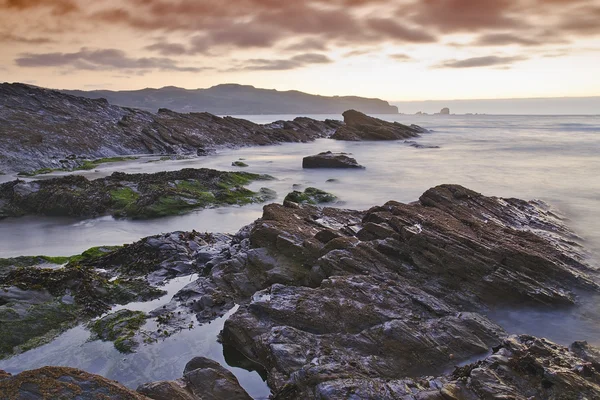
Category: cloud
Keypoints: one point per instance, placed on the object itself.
(299, 61)
(57, 7)
(505, 39)
(308, 44)
(401, 57)
(102, 59)
(476, 62)
(7, 37)
(167, 49)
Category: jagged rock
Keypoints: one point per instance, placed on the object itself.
(522, 367)
(337, 303)
(63, 383)
(358, 126)
(330, 160)
(129, 195)
(203, 379)
(310, 195)
(58, 124)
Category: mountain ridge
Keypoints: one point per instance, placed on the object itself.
(237, 99)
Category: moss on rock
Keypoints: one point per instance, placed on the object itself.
(120, 328)
(310, 195)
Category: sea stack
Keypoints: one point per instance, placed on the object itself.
(445, 111)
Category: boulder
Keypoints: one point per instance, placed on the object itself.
(203, 379)
(330, 160)
(310, 195)
(358, 126)
(445, 111)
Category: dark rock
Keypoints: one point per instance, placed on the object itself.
(359, 126)
(330, 160)
(445, 111)
(239, 164)
(63, 383)
(58, 123)
(203, 379)
(129, 195)
(310, 196)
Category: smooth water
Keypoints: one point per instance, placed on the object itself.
(553, 158)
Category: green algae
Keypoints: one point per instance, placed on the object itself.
(310, 195)
(120, 328)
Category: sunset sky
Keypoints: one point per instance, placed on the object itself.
(395, 49)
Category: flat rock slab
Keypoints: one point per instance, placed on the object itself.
(330, 160)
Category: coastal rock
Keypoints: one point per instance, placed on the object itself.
(358, 126)
(203, 379)
(330, 160)
(310, 195)
(63, 383)
(329, 294)
(59, 125)
(129, 195)
(521, 367)
(333, 303)
(445, 111)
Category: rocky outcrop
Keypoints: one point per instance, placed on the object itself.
(397, 291)
(203, 379)
(521, 367)
(130, 195)
(310, 195)
(334, 303)
(445, 111)
(330, 160)
(358, 126)
(42, 128)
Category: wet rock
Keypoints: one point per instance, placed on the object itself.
(63, 383)
(129, 195)
(355, 326)
(310, 195)
(358, 126)
(522, 367)
(119, 327)
(330, 160)
(239, 164)
(416, 145)
(203, 379)
(37, 304)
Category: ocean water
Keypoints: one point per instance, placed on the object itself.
(552, 158)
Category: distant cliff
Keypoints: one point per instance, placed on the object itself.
(232, 99)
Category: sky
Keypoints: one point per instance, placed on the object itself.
(395, 49)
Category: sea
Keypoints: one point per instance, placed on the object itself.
(551, 158)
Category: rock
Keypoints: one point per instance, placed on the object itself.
(335, 303)
(203, 379)
(129, 195)
(239, 164)
(63, 383)
(359, 126)
(310, 196)
(59, 124)
(522, 367)
(119, 327)
(445, 111)
(330, 160)
(37, 304)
